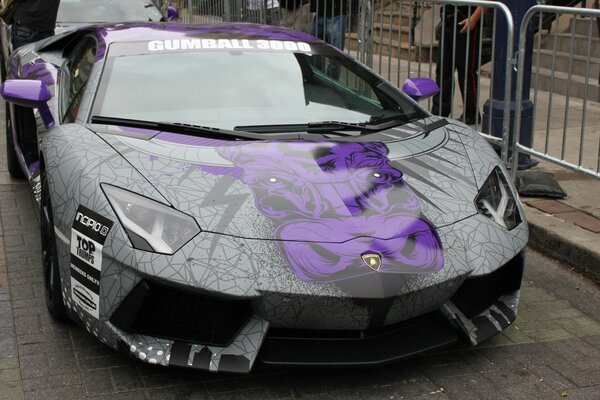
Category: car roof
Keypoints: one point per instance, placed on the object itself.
(146, 31)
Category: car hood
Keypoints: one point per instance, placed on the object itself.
(398, 183)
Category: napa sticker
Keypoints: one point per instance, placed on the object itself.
(88, 235)
(227, 44)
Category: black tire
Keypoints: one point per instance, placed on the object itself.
(52, 286)
(14, 168)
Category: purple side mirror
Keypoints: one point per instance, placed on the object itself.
(420, 88)
(29, 93)
(172, 13)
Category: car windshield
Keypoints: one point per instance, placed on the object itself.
(245, 87)
(89, 11)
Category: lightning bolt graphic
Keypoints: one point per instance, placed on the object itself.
(218, 197)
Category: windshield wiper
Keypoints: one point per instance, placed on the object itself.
(196, 130)
(321, 127)
(325, 126)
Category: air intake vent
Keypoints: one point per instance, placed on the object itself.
(477, 294)
(170, 313)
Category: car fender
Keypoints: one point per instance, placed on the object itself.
(76, 161)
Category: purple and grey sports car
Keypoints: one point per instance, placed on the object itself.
(216, 195)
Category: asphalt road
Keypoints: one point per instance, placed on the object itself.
(551, 351)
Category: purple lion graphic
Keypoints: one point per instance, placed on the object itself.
(335, 202)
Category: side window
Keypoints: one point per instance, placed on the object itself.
(75, 74)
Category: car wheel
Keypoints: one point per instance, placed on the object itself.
(11, 155)
(52, 285)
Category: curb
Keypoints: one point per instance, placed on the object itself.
(566, 242)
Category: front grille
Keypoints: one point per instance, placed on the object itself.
(166, 312)
(477, 294)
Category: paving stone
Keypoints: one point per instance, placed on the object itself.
(8, 345)
(9, 363)
(9, 375)
(469, 387)
(62, 393)
(520, 384)
(126, 378)
(34, 366)
(28, 324)
(175, 377)
(447, 370)
(532, 294)
(580, 326)
(98, 382)
(11, 391)
(52, 381)
(46, 347)
(580, 353)
(193, 391)
(110, 361)
(549, 206)
(129, 395)
(43, 337)
(586, 393)
(551, 377)
(579, 218)
(541, 331)
(516, 335)
(593, 340)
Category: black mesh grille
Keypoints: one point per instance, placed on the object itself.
(177, 314)
(477, 294)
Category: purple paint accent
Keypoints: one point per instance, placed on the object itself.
(140, 131)
(332, 203)
(25, 92)
(172, 13)
(34, 167)
(46, 115)
(420, 88)
(153, 158)
(220, 171)
(29, 93)
(39, 70)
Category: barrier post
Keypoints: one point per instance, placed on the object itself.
(494, 108)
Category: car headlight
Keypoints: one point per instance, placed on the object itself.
(150, 225)
(495, 201)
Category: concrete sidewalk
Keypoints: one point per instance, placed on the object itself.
(568, 229)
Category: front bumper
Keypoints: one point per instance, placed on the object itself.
(482, 307)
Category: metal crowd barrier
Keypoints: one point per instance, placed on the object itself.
(401, 43)
(567, 112)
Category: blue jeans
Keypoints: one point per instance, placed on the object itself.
(22, 35)
(330, 29)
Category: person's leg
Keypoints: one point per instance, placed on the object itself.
(316, 27)
(444, 72)
(467, 64)
(253, 16)
(273, 16)
(338, 31)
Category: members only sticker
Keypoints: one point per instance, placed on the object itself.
(87, 240)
